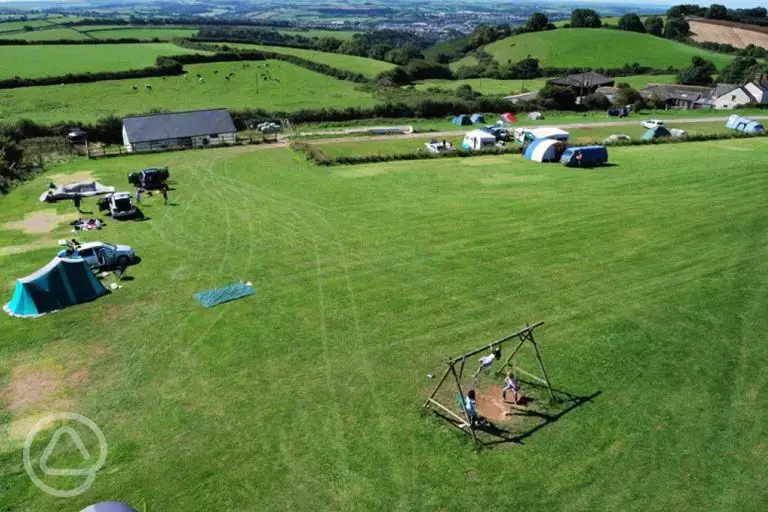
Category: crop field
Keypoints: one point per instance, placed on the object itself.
(290, 87)
(47, 34)
(596, 48)
(649, 275)
(492, 86)
(55, 60)
(362, 65)
(162, 33)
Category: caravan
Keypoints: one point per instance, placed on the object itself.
(478, 139)
(525, 135)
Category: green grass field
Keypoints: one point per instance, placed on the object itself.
(363, 65)
(492, 86)
(245, 90)
(595, 48)
(316, 32)
(47, 34)
(9, 26)
(55, 60)
(649, 275)
(162, 33)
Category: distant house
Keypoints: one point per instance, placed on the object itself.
(608, 92)
(586, 82)
(178, 130)
(730, 96)
(678, 96)
(758, 88)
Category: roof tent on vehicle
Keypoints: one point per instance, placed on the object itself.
(61, 283)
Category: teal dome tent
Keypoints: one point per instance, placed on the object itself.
(61, 283)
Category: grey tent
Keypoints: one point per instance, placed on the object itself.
(477, 118)
(109, 506)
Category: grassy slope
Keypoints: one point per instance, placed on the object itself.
(368, 67)
(142, 33)
(306, 396)
(46, 34)
(54, 60)
(53, 103)
(492, 86)
(597, 48)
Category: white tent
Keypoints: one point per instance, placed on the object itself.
(542, 150)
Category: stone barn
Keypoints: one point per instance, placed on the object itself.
(178, 130)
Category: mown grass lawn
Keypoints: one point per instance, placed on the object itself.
(55, 60)
(596, 48)
(291, 88)
(649, 274)
(362, 65)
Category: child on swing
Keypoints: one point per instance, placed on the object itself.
(510, 384)
(487, 361)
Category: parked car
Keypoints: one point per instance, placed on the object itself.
(618, 112)
(99, 255)
(441, 147)
(153, 178)
(120, 206)
(617, 138)
(585, 156)
(652, 123)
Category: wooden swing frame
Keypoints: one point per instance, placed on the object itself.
(524, 335)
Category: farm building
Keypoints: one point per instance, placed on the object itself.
(730, 96)
(679, 96)
(585, 82)
(178, 130)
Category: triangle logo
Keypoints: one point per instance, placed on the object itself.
(77, 440)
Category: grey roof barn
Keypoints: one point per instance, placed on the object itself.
(178, 125)
(179, 130)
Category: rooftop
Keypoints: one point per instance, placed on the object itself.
(176, 125)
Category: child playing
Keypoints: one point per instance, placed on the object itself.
(471, 406)
(510, 384)
(487, 361)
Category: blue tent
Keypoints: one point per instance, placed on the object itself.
(591, 156)
(462, 120)
(477, 118)
(542, 150)
(744, 125)
(655, 133)
(61, 283)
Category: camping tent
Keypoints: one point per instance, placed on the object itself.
(542, 150)
(462, 120)
(655, 133)
(535, 116)
(61, 283)
(744, 125)
(477, 118)
(108, 506)
(508, 117)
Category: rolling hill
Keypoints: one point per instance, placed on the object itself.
(595, 48)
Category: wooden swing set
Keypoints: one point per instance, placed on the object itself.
(464, 422)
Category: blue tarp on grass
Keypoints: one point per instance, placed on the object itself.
(224, 294)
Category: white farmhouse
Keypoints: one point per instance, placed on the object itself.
(178, 130)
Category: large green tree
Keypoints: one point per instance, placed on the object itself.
(632, 23)
(537, 22)
(699, 73)
(585, 18)
(717, 12)
(677, 29)
(737, 71)
(654, 25)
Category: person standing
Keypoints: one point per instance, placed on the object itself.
(470, 404)
(76, 200)
(164, 191)
(139, 191)
(510, 384)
